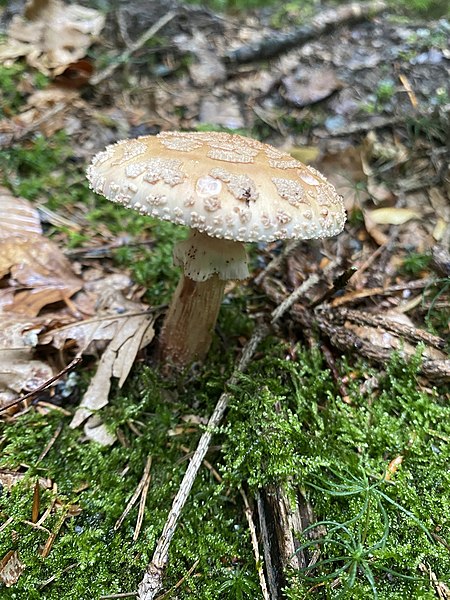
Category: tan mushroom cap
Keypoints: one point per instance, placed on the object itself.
(227, 186)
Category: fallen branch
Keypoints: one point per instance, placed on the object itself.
(280, 42)
(374, 337)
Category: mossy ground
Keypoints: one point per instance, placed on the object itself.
(287, 424)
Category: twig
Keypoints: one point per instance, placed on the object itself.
(53, 439)
(147, 478)
(254, 537)
(179, 583)
(44, 386)
(137, 45)
(52, 537)
(382, 291)
(4, 525)
(151, 583)
(53, 577)
(123, 595)
(408, 332)
(275, 263)
(136, 494)
(292, 298)
(266, 545)
(207, 464)
(301, 291)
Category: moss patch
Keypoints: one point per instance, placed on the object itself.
(287, 425)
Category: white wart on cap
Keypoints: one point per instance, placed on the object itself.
(226, 186)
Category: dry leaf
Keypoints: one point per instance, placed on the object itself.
(345, 171)
(39, 272)
(11, 568)
(379, 191)
(52, 34)
(441, 206)
(393, 216)
(36, 264)
(306, 154)
(132, 334)
(17, 216)
(19, 372)
(10, 478)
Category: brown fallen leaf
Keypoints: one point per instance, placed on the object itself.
(39, 273)
(345, 171)
(380, 192)
(20, 373)
(52, 34)
(11, 568)
(131, 334)
(19, 370)
(9, 478)
(38, 265)
(17, 216)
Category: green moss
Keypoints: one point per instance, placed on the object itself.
(286, 425)
(290, 426)
(414, 263)
(35, 168)
(10, 98)
(107, 561)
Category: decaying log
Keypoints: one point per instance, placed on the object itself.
(281, 525)
(280, 42)
(372, 336)
(376, 337)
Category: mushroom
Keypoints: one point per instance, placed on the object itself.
(228, 189)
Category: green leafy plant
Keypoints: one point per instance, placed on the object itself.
(385, 91)
(240, 585)
(415, 262)
(347, 546)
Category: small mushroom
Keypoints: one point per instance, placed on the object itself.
(228, 189)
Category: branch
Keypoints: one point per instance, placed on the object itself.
(280, 42)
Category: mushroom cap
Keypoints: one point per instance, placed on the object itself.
(225, 185)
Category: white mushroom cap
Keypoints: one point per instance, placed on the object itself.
(227, 186)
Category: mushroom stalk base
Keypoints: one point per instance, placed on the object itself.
(189, 323)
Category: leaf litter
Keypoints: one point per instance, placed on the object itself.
(51, 35)
(44, 303)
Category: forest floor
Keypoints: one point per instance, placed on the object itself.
(328, 476)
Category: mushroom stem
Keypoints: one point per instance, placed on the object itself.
(189, 323)
(207, 264)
